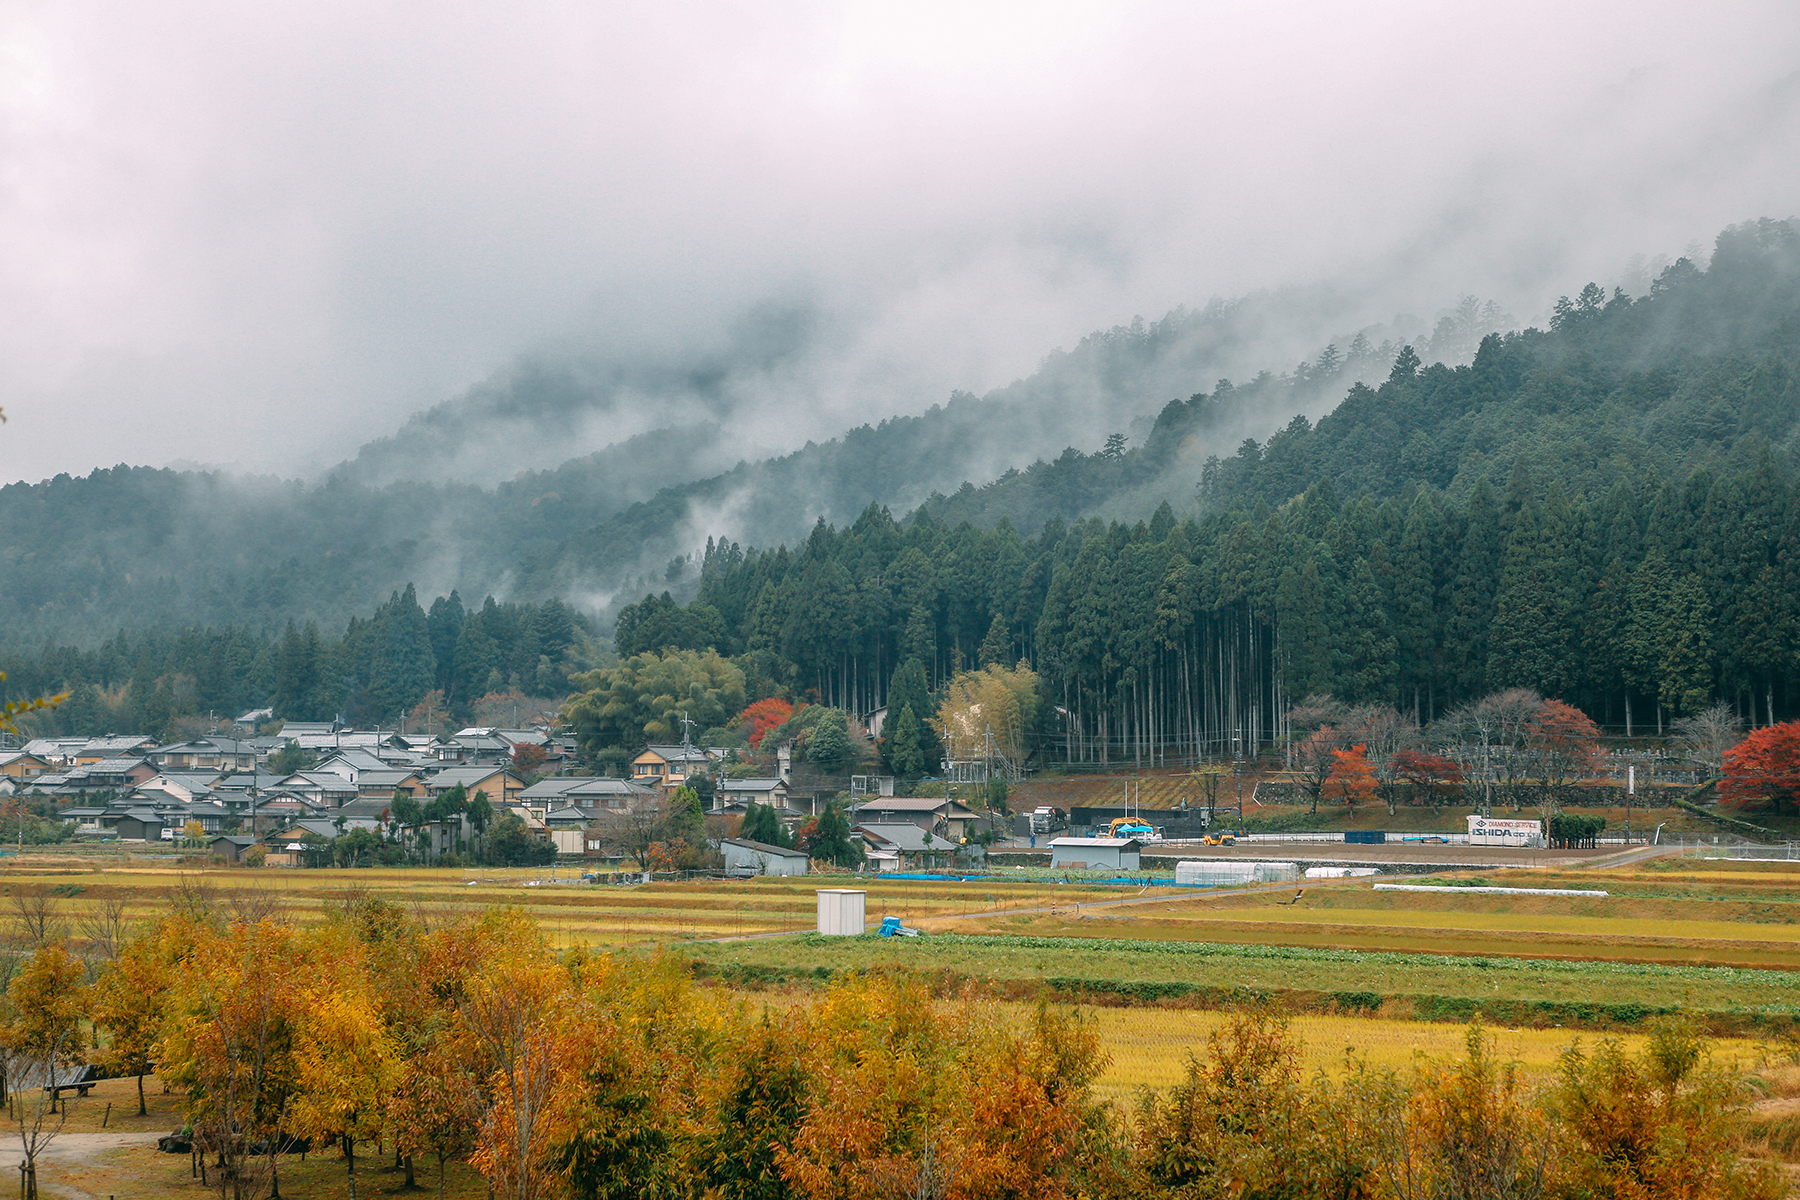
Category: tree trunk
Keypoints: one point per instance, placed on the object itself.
(142, 1111)
(410, 1183)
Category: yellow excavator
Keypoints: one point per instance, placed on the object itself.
(1133, 827)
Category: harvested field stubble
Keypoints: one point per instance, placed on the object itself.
(600, 915)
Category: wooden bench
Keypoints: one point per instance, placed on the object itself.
(81, 1079)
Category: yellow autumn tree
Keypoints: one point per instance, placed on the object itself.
(345, 1060)
(130, 999)
(229, 1041)
(518, 1018)
(42, 1036)
(641, 1080)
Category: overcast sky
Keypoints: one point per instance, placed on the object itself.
(264, 233)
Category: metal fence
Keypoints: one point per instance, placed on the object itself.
(1727, 847)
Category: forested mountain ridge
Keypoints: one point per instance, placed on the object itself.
(1606, 511)
(140, 548)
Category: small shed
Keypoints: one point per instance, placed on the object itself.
(231, 846)
(139, 826)
(841, 912)
(1095, 854)
(745, 858)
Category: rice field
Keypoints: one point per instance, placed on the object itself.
(1698, 912)
(604, 916)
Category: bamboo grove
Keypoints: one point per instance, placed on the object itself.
(556, 1075)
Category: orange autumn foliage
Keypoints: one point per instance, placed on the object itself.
(763, 716)
(1351, 778)
(1764, 769)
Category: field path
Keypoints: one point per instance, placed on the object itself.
(1626, 858)
(76, 1149)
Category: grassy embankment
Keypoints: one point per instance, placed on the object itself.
(1168, 789)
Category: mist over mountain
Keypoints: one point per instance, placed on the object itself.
(1631, 469)
(484, 493)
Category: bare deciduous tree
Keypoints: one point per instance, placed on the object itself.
(1489, 735)
(254, 904)
(629, 831)
(1708, 734)
(37, 919)
(1385, 732)
(102, 925)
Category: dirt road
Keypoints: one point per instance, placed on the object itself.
(74, 1150)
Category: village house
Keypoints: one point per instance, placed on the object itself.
(93, 750)
(591, 793)
(737, 795)
(946, 819)
(109, 774)
(901, 845)
(291, 845)
(59, 753)
(137, 825)
(502, 786)
(568, 828)
(218, 754)
(231, 846)
(390, 785)
(669, 767)
(473, 746)
(17, 764)
(323, 788)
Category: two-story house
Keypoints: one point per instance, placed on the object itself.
(501, 785)
(669, 767)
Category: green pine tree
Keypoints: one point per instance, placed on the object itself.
(996, 647)
(907, 690)
(901, 750)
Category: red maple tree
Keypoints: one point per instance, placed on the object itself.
(1764, 769)
(763, 716)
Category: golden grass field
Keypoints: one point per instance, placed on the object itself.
(569, 911)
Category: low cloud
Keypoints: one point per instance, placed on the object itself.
(268, 236)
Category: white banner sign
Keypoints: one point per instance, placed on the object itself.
(1490, 831)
